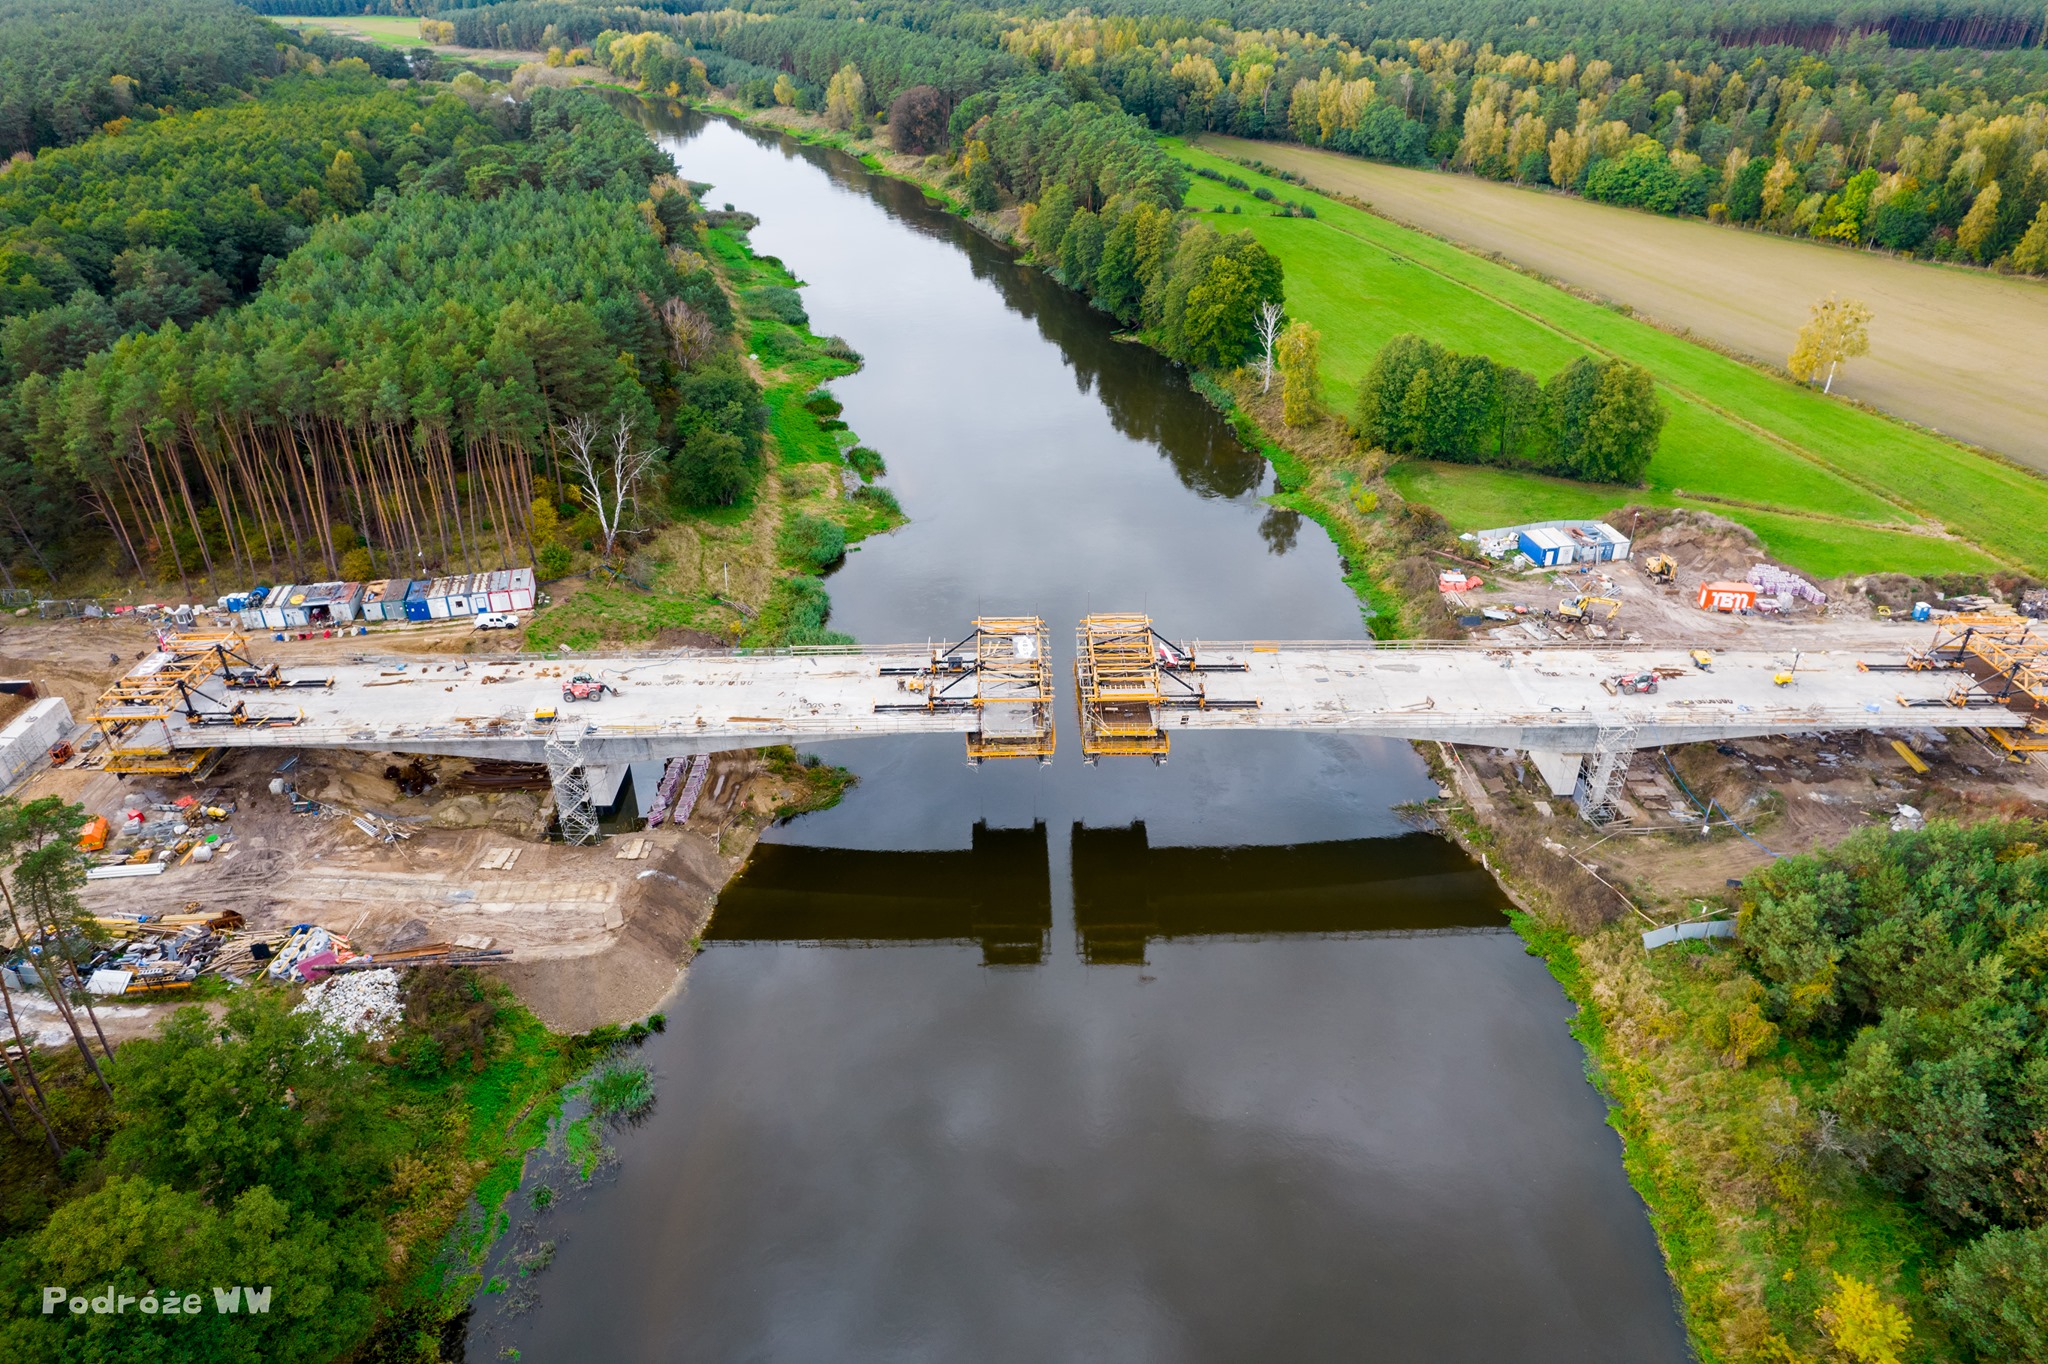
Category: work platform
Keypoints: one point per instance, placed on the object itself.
(1135, 689)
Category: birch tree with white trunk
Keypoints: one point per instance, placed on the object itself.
(1269, 333)
(608, 465)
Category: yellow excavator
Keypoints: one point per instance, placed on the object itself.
(1576, 607)
(1662, 568)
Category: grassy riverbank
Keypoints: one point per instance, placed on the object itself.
(747, 574)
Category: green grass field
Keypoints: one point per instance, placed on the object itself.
(1831, 488)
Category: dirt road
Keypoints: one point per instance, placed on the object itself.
(1953, 349)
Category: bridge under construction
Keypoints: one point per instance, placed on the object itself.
(1578, 711)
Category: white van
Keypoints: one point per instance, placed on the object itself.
(497, 620)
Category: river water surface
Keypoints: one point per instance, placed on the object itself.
(1211, 1061)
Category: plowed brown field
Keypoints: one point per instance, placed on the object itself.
(1957, 350)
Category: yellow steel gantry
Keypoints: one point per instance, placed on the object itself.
(186, 678)
(2008, 665)
(1002, 672)
(1117, 687)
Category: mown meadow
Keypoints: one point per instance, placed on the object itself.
(1830, 488)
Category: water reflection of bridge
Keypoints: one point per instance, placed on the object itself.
(1126, 893)
(997, 892)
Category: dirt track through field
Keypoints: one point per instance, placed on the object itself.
(1951, 349)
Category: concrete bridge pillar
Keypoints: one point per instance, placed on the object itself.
(1560, 770)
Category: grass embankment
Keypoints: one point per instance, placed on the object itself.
(732, 574)
(1754, 1214)
(1831, 488)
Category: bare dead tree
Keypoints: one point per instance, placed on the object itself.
(610, 477)
(690, 334)
(1269, 333)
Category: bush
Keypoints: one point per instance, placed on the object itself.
(867, 463)
(811, 541)
(358, 565)
(879, 497)
(1997, 1294)
(775, 301)
(552, 560)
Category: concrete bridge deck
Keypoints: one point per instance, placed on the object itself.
(1548, 698)
(996, 688)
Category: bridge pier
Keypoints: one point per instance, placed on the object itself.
(1560, 770)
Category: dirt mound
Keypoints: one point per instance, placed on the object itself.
(1704, 544)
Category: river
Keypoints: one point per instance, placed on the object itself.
(1215, 1060)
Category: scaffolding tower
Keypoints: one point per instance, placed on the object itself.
(1127, 676)
(1002, 672)
(1603, 770)
(573, 806)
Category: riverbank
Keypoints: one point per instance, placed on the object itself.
(1753, 1216)
(748, 574)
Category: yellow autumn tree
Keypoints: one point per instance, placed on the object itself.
(1838, 330)
(2031, 255)
(1862, 1325)
(785, 91)
(1300, 353)
(846, 97)
(1974, 232)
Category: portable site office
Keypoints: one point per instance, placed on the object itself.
(385, 600)
(415, 606)
(332, 603)
(510, 590)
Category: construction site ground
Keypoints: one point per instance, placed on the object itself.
(1771, 797)
(602, 934)
(1706, 548)
(598, 935)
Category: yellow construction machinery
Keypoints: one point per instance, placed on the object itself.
(1002, 672)
(186, 679)
(1662, 568)
(1576, 608)
(1126, 676)
(1702, 660)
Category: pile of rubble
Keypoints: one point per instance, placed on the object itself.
(361, 1002)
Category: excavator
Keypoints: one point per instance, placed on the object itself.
(1575, 608)
(1662, 568)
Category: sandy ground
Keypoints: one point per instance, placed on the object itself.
(598, 935)
(1706, 548)
(1949, 347)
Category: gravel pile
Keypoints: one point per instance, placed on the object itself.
(363, 1002)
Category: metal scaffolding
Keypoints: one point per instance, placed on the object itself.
(573, 806)
(1127, 676)
(1603, 770)
(1003, 673)
(2007, 664)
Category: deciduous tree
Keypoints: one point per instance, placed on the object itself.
(1301, 349)
(1838, 330)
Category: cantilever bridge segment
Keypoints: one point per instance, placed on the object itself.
(587, 716)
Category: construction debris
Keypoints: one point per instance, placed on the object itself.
(363, 1002)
